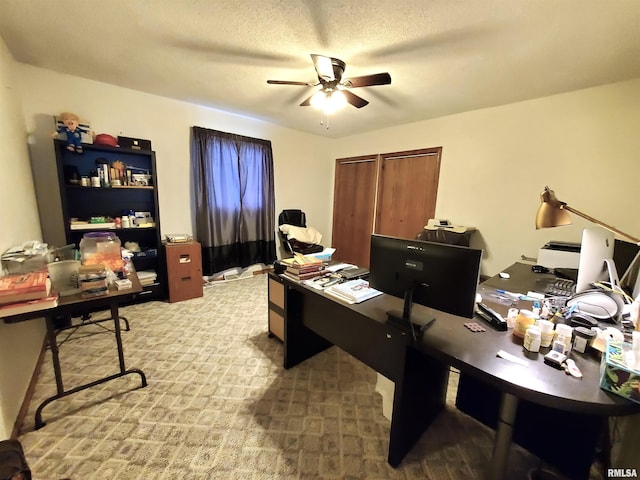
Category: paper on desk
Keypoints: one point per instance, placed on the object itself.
(339, 266)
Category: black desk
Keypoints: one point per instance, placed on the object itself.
(315, 321)
(74, 304)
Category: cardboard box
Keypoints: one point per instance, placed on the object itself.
(615, 376)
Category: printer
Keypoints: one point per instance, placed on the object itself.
(556, 254)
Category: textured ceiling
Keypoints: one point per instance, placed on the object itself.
(444, 56)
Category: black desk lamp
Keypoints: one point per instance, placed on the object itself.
(554, 213)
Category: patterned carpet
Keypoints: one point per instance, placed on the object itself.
(219, 405)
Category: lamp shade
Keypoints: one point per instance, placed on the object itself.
(551, 212)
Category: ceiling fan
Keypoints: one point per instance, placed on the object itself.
(330, 79)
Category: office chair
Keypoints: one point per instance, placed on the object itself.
(296, 218)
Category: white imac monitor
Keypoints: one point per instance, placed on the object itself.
(596, 259)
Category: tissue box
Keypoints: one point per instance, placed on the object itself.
(615, 376)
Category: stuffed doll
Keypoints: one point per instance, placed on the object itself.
(72, 130)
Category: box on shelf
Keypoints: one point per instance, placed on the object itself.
(616, 376)
(134, 143)
(141, 179)
(147, 277)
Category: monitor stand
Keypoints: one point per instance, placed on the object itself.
(405, 320)
(394, 317)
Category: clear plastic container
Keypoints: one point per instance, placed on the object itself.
(101, 248)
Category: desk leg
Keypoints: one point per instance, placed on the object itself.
(504, 432)
(419, 397)
(116, 325)
(55, 358)
(51, 335)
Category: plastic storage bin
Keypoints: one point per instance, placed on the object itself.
(64, 277)
(102, 248)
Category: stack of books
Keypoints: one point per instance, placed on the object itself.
(353, 291)
(27, 292)
(301, 268)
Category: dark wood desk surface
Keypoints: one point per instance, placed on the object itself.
(451, 342)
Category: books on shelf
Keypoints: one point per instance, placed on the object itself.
(29, 306)
(91, 226)
(353, 291)
(23, 287)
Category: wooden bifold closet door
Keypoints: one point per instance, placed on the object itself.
(353, 199)
(391, 194)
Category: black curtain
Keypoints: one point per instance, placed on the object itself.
(234, 199)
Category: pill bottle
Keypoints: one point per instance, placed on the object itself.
(583, 338)
(524, 320)
(546, 332)
(564, 333)
(536, 309)
(512, 314)
(532, 339)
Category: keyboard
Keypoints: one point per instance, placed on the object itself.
(557, 287)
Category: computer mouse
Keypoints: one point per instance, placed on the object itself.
(578, 319)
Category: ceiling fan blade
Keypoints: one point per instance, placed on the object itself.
(323, 66)
(354, 99)
(307, 102)
(287, 82)
(368, 80)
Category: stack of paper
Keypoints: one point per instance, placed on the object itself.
(353, 291)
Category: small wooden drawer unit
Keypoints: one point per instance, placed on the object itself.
(184, 270)
(276, 307)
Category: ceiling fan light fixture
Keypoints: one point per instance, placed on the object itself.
(319, 100)
(335, 101)
(328, 101)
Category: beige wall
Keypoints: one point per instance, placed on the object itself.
(301, 162)
(19, 343)
(495, 163)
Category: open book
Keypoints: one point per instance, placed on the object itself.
(353, 291)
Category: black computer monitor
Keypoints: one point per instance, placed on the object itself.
(436, 275)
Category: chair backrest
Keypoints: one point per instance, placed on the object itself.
(292, 217)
